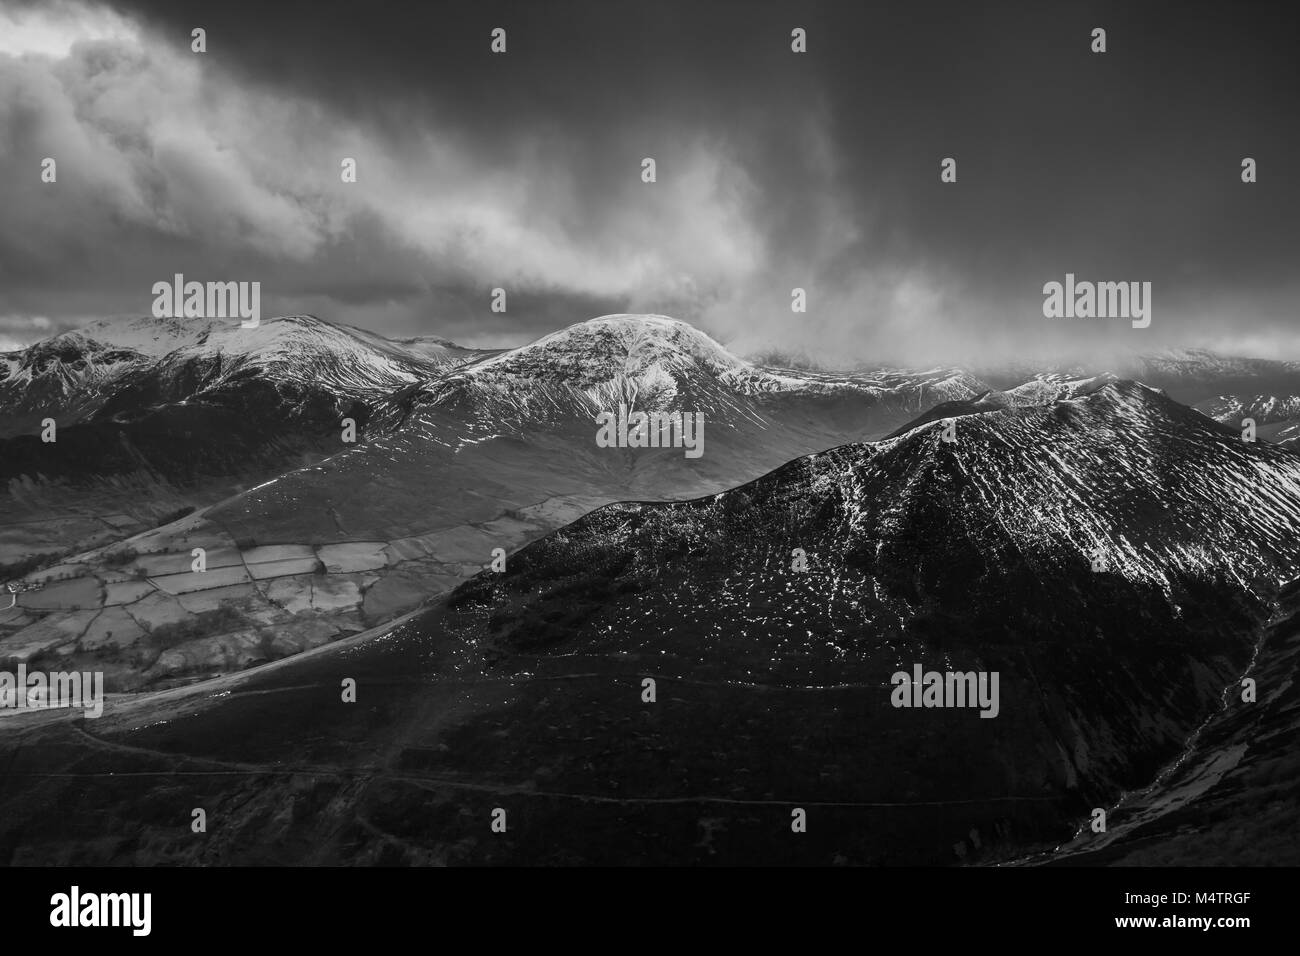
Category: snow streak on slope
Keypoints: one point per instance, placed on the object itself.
(1124, 474)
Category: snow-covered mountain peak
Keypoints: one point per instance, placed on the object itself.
(602, 348)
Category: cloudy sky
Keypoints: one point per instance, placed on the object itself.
(775, 169)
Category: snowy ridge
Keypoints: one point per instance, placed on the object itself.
(1123, 473)
(75, 374)
(304, 351)
(1046, 388)
(656, 350)
(1202, 363)
(655, 362)
(1264, 409)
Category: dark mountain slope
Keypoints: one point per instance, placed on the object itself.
(1232, 798)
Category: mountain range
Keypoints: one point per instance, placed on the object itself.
(308, 538)
(1121, 561)
(457, 453)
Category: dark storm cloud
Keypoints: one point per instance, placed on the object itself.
(775, 170)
